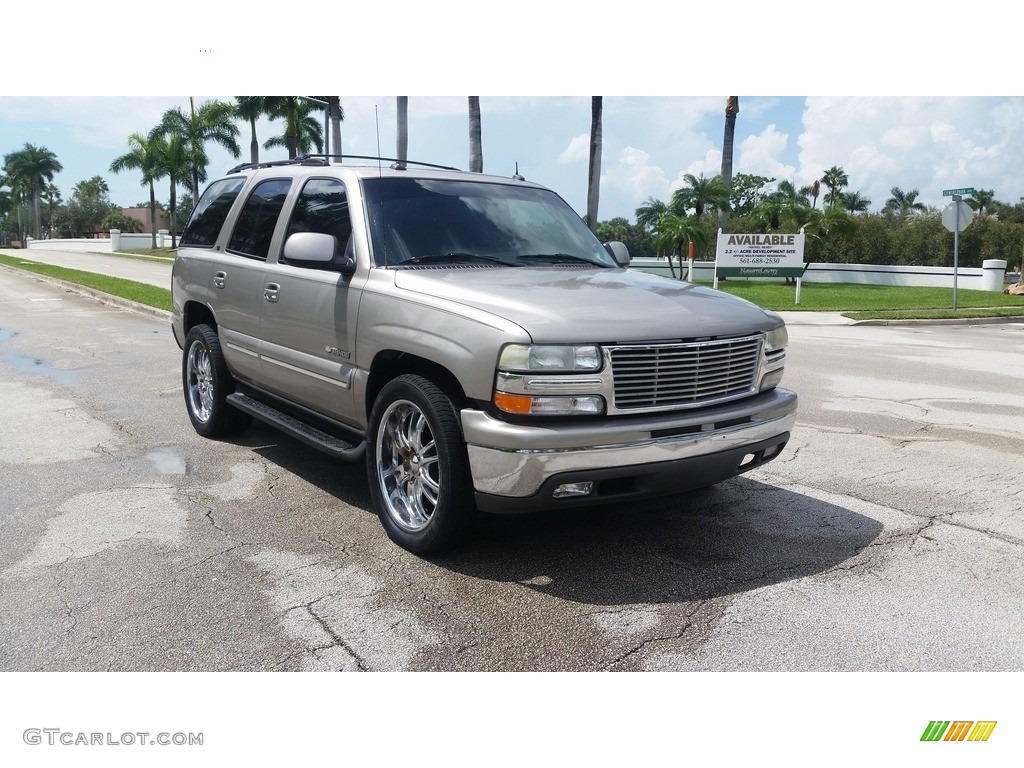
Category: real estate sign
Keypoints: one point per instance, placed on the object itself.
(760, 255)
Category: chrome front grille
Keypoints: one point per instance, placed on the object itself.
(663, 376)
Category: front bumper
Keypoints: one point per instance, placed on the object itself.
(518, 467)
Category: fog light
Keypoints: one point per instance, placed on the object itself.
(570, 490)
(771, 380)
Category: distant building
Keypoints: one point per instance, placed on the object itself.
(142, 215)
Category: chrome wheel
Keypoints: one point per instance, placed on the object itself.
(408, 470)
(199, 381)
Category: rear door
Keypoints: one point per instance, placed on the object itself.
(238, 276)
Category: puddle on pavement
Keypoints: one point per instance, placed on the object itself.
(41, 367)
(5, 334)
(168, 461)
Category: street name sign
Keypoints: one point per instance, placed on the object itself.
(961, 191)
(776, 255)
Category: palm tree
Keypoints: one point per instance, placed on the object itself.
(251, 108)
(675, 233)
(476, 152)
(141, 156)
(173, 160)
(402, 136)
(211, 121)
(335, 115)
(732, 108)
(813, 191)
(854, 202)
(594, 176)
(31, 168)
(786, 207)
(302, 130)
(835, 179)
(903, 204)
(95, 188)
(51, 196)
(700, 194)
(649, 214)
(981, 200)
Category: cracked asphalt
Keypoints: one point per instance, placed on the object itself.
(888, 537)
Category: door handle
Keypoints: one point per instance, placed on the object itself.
(271, 291)
(219, 278)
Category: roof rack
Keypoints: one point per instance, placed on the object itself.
(304, 160)
(318, 159)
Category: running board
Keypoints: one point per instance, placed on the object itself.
(329, 444)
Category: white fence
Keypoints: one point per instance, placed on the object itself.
(990, 276)
(118, 241)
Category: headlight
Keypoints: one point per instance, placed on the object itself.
(774, 359)
(776, 339)
(549, 380)
(550, 358)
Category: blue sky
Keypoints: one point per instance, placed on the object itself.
(539, 67)
(924, 143)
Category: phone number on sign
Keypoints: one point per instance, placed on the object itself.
(765, 261)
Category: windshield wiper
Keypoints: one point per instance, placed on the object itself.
(558, 258)
(455, 257)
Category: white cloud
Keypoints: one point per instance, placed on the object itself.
(577, 151)
(634, 174)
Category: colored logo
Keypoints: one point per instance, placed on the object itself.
(958, 730)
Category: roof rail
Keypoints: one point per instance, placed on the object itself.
(317, 159)
(400, 164)
(303, 160)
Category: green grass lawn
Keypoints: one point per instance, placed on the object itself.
(149, 254)
(864, 302)
(150, 295)
(859, 302)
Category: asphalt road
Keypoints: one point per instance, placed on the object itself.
(887, 537)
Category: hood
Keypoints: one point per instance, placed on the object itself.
(566, 304)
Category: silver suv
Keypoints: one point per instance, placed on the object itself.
(467, 337)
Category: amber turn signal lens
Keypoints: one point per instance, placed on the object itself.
(521, 404)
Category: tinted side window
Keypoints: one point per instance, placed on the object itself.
(256, 222)
(322, 207)
(211, 209)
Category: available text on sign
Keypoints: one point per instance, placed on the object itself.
(760, 255)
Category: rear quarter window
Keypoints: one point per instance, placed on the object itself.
(211, 210)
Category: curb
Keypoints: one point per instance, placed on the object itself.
(946, 321)
(104, 298)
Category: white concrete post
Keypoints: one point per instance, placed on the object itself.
(160, 235)
(115, 240)
(993, 275)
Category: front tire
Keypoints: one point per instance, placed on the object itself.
(417, 466)
(207, 382)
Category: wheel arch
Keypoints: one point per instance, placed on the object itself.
(196, 313)
(390, 364)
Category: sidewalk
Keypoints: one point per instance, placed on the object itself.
(139, 270)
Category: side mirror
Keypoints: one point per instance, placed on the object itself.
(317, 249)
(619, 252)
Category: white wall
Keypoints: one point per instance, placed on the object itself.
(118, 241)
(94, 245)
(971, 278)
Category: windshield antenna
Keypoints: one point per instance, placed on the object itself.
(517, 177)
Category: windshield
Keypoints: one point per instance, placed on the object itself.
(438, 221)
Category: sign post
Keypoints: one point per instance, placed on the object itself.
(957, 216)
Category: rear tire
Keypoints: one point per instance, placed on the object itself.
(417, 466)
(207, 382)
